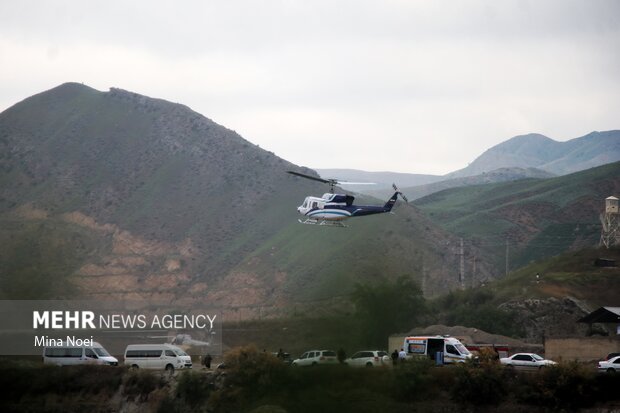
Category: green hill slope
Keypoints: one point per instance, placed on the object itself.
(572, 274)
(168, 205)
(536, 218)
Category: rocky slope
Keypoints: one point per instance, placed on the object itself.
(143, 199)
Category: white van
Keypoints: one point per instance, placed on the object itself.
(67, 355)
(453, 350)
(157, 356)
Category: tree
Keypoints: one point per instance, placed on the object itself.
(387, 307)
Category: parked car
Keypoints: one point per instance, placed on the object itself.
(526, 361)
(315, 357)
(285, 357)
(610, 366)
(369, 358)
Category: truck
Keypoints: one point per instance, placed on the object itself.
(450, 348)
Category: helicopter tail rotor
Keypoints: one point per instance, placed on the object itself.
(400, 193)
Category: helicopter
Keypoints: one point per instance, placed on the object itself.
(331, 209)
(183, 340)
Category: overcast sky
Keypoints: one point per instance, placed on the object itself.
(407, 86)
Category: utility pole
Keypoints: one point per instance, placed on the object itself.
(507, 256)
(462, 267)
(423, 277)
(473, 276)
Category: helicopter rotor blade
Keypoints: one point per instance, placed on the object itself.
(400, 193)
(314, 178)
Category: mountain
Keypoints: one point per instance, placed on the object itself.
(382, 180)
(521, 157)
(541, 152)
(498, 175)
(148, 166)
(115, 195)
(521, 221)
(494, 176)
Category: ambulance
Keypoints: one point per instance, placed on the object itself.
(446, 347)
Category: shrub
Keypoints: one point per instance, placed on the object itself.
(412, 379)
(247, 366)
(140, 383)
(479, 385)
(607, 386)
(249, 374)
(566, 385)
(193, 387)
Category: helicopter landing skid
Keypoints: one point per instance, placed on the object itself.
(310, 221)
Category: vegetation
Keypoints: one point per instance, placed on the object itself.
(387, 307)
(569, 274)
(476, 308)
(539, 218)
(138, 384)
(36, 388)
(258, 382)
(173, 177)
(38, 258)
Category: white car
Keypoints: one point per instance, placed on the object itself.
(369, 358)
(315, 357)
(526, 361)
(610, 366)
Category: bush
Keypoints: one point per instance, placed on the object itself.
(474, 308)
(250, 373)
(140, 383)
(35, 388)
(247, 366)
(412, 379)
(479, 385)
(607, 386)
(193, 387)
(566, 385)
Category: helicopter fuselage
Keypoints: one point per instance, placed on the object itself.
(338, 207)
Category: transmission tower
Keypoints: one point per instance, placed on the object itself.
(610, 234)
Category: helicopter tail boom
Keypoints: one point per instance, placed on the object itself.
(390, 202)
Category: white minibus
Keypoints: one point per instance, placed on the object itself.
(157, 356)
(63, 354)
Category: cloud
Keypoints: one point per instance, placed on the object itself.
(408, 86)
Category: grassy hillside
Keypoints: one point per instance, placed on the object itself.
(495, 176)
(173, 206)
(570, 274)
(536, 218)
(150, 166)
(326, 262)
(38, 258)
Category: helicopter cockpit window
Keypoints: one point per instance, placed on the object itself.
(305, 204)
(315, 204)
